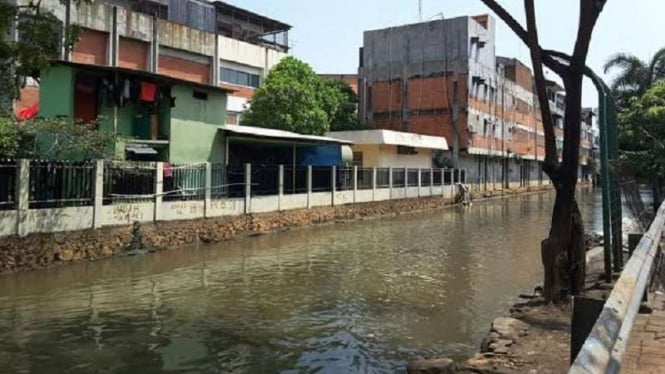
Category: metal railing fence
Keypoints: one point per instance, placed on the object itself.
(58, 184)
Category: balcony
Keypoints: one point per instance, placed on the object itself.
(557, 109)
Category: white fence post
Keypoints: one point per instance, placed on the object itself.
(355, 182)
(309, 186)
(159, 190)
(248, 188)
(22, 196)
(333, 182)
(98, 202)
(431, 181)
(390, 183)
(443, 182)
(280, 186)
(406, 183)
(374, 184)
(207, 205)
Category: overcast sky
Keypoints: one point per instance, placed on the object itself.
(327, 34)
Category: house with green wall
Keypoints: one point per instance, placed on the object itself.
(161, 118)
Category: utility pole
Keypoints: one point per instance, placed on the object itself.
(420, 10)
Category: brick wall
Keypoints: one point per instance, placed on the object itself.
(184, 69)
(133, 54)
(389, 123)
(438, 125)
(429, 93)
(92, 48)
(240, 91)
(386, 96)
(523, 77)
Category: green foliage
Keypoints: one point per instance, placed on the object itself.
(39, 41)
(642, 132)
(9, 137)
(634, 75)
(294, 98)
(343, 106)
(54, 138)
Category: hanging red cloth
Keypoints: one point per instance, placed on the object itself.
(148, 91)
(28, 113)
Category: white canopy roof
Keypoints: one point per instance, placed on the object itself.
(261, 132)
(390, 137)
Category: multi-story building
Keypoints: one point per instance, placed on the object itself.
(212, 43)
(443, 78)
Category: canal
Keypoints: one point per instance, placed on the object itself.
(361, 297)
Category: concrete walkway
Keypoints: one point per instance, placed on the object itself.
(646, 347)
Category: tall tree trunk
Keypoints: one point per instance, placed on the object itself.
(564, 251)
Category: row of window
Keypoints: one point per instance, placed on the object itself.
(238, 77)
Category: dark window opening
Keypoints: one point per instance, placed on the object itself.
(199, 95)
(239, 77)
(402, 150)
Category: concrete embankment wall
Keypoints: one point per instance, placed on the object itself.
(41, 250)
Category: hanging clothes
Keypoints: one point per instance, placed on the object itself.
(148, 91)
(28, 113)
(126, 93)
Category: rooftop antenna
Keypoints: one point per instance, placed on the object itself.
(420, 10)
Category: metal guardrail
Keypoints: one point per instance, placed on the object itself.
(605, 346)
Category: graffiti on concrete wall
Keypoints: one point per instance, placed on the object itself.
(186, 209)
(127, 213)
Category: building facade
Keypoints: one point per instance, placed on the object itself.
(211, 43)
(443, 78)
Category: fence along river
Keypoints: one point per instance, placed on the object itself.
(361, 297)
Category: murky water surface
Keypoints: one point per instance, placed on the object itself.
(360, 297)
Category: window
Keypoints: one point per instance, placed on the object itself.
(358, 159)
(403, 150)
(239, 77)
(233, 118)
(199, 95)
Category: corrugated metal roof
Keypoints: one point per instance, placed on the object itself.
(279, 134)
(390, 137)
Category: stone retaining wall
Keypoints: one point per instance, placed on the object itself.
(42, 250)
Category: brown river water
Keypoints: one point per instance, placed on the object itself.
(360, 297)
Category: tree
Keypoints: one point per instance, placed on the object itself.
(635, 76)
(642, 136)
(54, 138)
(292, 98)
(563, 251)
(343, 109)
(36, 36)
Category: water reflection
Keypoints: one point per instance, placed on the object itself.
(360, 297)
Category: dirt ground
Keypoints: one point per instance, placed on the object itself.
(537, 338)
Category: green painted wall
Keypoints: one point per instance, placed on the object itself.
(56, 93)
(126, 117)
(194, 126)
(191, 126)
